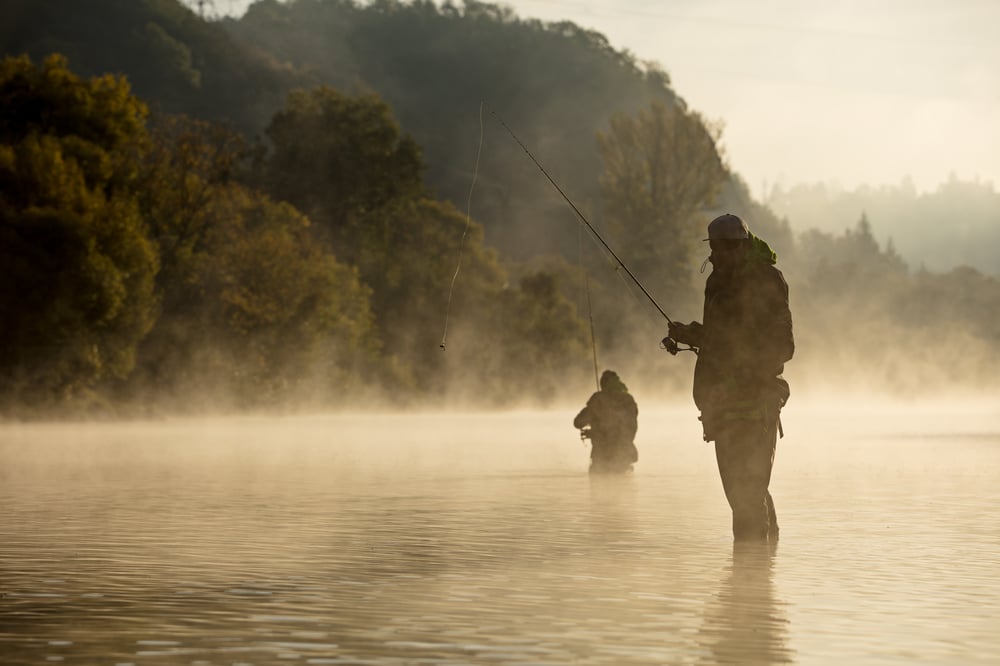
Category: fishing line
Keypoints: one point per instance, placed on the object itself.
(590, 312)
(468, 223)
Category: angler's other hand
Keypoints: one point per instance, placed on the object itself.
(679, 332)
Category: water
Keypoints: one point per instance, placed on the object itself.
(457, 539)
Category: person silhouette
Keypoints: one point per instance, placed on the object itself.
(743, 342)
(610, 421)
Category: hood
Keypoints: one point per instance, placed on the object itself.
(611, 382)
(760, 252)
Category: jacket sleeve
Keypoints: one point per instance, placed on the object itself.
(584, 418)
(690, 334)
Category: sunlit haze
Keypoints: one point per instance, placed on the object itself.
(850, 93)
(308, 359)
(478, 538)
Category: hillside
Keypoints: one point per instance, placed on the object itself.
(174, 60)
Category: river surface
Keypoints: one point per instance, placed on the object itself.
(481, 539)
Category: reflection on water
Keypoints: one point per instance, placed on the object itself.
(463, 539)
(745, 623)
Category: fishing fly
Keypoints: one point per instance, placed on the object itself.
(468, 223)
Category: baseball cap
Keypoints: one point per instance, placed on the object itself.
(727, 227)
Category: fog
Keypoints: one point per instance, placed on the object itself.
(338, 304)
(261, 454)
(479, 537)
(861, 93)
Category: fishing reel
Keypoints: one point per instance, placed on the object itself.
(672, 346)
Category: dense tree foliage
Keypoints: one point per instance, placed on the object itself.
(76, 266)
(346, 162)
(133, 261)
(339, 158)
(263, 314)
(145, 266)
(187, 161)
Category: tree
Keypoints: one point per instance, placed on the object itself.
(544, 346)
(186, 163)
(346, 161)
(337, 158)
(76, 265)
(262, 314)
(661, 167)
(525, 344)
(291, 319)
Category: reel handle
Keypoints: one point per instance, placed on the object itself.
(671, 345)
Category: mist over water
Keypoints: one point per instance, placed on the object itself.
(200, 277)
(480, 538)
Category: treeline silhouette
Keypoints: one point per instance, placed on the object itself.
(956, 224)
(151, 262)
(270, 212)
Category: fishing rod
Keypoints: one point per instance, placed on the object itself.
(590, 312)
(667, 343)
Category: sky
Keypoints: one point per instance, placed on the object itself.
(848, 93)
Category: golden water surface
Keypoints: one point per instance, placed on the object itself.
(480, 538)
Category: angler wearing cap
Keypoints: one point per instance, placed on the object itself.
(743, 343)
(610, 420)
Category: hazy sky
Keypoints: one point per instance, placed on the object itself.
(851, 92)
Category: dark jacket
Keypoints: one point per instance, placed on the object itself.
(746, 334)
(612, 417)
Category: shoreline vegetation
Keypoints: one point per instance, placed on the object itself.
(266, 215)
